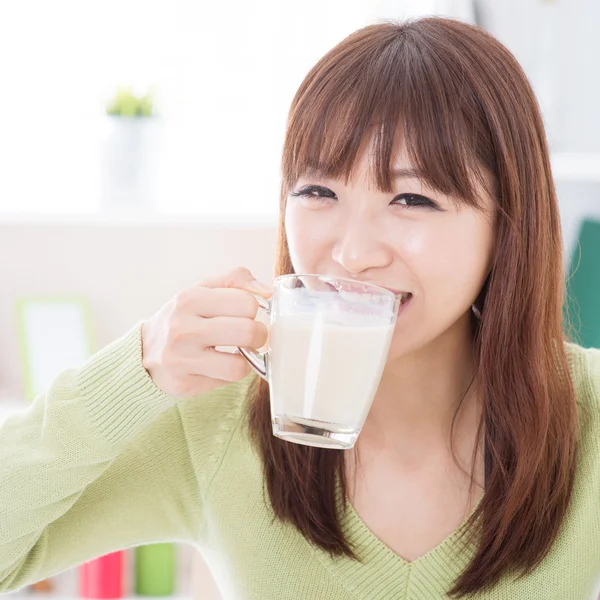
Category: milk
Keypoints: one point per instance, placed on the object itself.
(324, 371)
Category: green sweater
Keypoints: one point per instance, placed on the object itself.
(105, 461)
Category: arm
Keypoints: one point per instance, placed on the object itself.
(100, 463)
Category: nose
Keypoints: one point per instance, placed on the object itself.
(360, 246)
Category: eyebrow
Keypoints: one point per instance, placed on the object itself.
(414, 173)
(396, 173)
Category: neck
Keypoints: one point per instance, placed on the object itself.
(418, 396)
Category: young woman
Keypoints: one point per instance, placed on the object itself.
(415, 158)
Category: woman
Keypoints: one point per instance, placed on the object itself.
(415, 158)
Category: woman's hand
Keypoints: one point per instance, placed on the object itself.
(178, 342)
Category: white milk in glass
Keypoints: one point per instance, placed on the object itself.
(326, 372)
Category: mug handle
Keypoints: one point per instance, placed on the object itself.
(259, 362)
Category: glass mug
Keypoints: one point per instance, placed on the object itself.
(328, 343)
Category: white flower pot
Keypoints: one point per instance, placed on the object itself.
(130, 162)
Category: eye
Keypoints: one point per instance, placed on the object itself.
(413, 201)
(322, 194)
(314, 192)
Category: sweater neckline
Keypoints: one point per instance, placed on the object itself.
(382, 573)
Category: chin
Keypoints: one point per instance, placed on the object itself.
(401, 346)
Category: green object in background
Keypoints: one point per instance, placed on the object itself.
(55, 333)
(155, 570)
(582, 308)
(127, 104)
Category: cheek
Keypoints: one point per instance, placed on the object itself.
(458, 259)
(308, 237)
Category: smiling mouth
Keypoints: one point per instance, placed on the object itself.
(405, 297)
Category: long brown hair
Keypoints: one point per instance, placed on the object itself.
(463, 106)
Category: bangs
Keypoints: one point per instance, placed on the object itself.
(378, 88)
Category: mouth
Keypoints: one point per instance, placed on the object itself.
(404, 296)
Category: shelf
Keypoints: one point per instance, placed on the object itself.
(136, 219)
(566, 166)
(576, 166)
(28, 595)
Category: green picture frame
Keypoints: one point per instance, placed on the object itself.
(55, 333)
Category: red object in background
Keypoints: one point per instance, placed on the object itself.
(45, 586)
(103, 576)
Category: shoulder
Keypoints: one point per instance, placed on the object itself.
(584, 369)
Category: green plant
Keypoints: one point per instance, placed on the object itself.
(127, 104)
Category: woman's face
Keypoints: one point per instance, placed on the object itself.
(412, 240)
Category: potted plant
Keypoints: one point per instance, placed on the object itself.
(130, 150)
(127, 104)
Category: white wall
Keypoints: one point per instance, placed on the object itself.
(127, 272)
(558, 45)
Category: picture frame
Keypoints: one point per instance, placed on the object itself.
(55, 333)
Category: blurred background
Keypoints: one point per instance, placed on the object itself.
(140, 145)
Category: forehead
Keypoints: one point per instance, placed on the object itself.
(365, 166)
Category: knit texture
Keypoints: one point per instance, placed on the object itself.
(106, 461)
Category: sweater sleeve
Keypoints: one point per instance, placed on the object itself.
(99, 463)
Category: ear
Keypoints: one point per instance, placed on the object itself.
(479, 301)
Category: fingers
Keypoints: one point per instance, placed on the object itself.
(233, 331)
(240, 278)
(178, 342)
(192, 335)
(207, 302)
